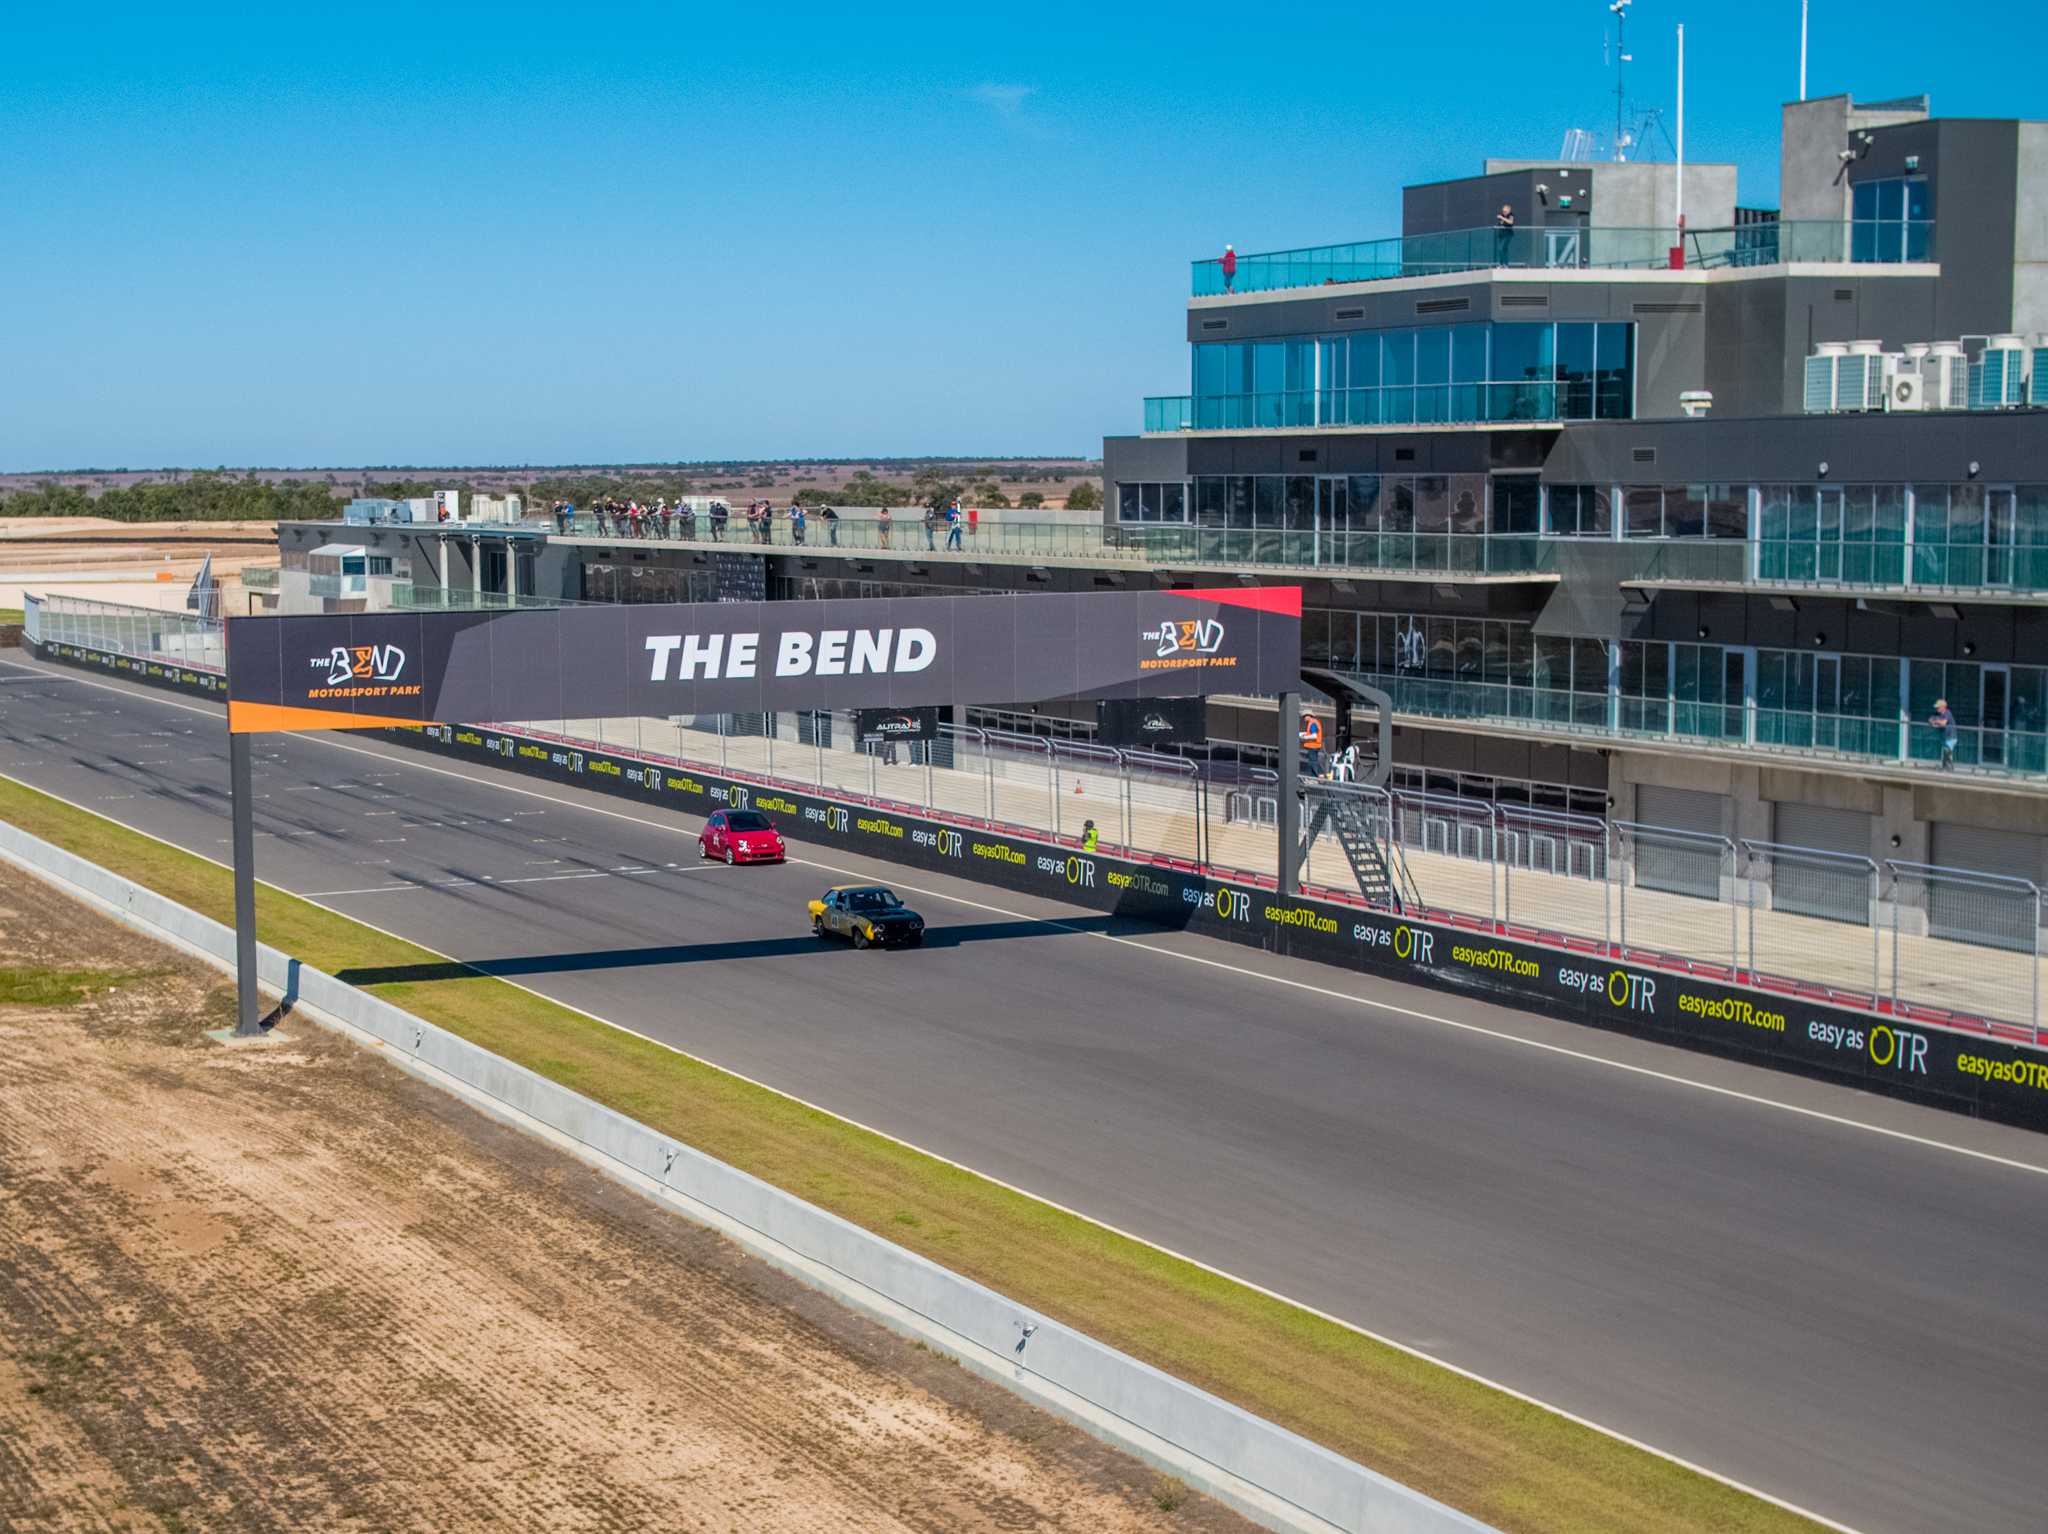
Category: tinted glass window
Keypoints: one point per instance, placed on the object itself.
(748, 820)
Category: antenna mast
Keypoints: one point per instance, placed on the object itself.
(1619, 9)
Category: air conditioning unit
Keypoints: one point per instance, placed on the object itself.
(1908, 391)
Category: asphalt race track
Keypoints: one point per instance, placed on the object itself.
(1848, 1319)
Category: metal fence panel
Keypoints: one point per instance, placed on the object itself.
(1812, 916)
(1963, 941)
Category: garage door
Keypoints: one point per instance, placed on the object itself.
(1822, 886)
(1681, 862)
(2000, 916)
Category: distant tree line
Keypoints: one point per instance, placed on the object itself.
(208, 495)
(204, 496)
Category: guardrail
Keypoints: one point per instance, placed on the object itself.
(1275, 1477)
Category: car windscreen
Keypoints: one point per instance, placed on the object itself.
(873, 900)
(748, 820)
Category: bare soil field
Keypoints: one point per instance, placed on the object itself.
(286, 1287)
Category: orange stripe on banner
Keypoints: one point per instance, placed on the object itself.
(257, 718)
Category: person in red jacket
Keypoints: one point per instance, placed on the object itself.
(1229, 267)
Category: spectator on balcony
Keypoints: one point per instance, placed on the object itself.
(831, 520)
(931, 526)
(882, 525)
(954, 523)
(1944, 723)
(1229, 268)
(720, 515)
(796, 521)
(1503, 234)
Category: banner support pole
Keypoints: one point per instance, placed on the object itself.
(248, 1005)
(1288, 818)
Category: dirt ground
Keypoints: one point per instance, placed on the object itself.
(286, 1287)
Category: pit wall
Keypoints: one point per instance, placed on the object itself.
(1964, 1072)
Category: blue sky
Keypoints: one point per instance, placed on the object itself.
(502, 234)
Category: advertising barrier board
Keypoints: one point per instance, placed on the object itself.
(1964, 1072)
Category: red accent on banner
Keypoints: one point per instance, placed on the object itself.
(1265, 599)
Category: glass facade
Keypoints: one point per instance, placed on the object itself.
(1892, 220)
(1870, 706)
(1425, 375)
(1152, 501)
(1966, 535)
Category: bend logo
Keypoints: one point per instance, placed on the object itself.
(361, 663)
(1188, 636)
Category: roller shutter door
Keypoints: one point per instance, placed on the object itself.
(1681, 864)
(1996, 916)
(1839, 891)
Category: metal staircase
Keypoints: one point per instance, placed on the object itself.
(1381, 871)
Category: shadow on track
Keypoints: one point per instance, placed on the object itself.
(754, 948)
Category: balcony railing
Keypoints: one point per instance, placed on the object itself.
(1176, 543)
(1827, 563)
(1882, 241)
(1402, 405)
(1169, 412)
(259, 577)
(2003, 752)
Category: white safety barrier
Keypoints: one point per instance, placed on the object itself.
(1274, 1477)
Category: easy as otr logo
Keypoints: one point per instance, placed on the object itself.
(363, 663)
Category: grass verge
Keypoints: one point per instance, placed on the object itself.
(1500, 1459)
(42, 985)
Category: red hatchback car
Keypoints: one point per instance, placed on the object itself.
(741, 836)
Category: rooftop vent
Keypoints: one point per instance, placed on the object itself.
(1442, 305)
(1525, 300)
(1215, 324)
(1350, 314)
(1404, 455)
(1642, 455)
(1693, 307)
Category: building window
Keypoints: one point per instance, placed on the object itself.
(1152, 501)
(1423, 375)
(1892, 220)
(1577, 511)
(1685, 511)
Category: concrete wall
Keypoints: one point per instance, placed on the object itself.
(2030, 235)
(1605, 195)
(1812, 135)
(1906, 811)
(1276, 1478)
(1972, 170)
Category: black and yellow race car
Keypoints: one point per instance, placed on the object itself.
(870, 914)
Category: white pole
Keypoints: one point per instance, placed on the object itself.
(1802, 49)
(1681, 133)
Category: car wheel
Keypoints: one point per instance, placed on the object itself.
(729, 858)
(817, 926)
(703, 848)
(860, 937)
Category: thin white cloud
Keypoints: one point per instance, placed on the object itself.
(1004, 100)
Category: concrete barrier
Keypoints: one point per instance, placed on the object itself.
(1274, 1477)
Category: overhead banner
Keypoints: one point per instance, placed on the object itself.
(371, 670)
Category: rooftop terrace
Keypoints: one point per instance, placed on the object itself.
(1886, 241)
